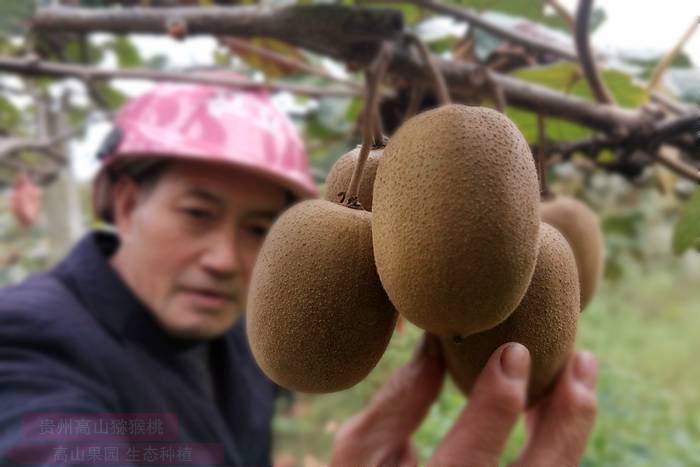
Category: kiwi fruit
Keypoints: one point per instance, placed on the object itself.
(580, 226)
(456, 219)
(338, 178)
(544, 322)
(318, 319)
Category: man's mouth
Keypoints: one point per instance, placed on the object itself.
(208, 298)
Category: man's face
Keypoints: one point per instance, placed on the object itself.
(189, 244)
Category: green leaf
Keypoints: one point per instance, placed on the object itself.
(555, 129)
(271, 68)
(10, 117)
(354, 109)
(566, 78)
(113, 98)
(606, 156)
(687, 231)
(127, 54)
(412, 14)
(75, 51)
(443, 45)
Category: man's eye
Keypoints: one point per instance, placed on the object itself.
(258, 231)
(197, 214)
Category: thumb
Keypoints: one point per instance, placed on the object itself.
(478, 436)
(400, 406)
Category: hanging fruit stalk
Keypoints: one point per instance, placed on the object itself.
(379, 68)
(318, 319)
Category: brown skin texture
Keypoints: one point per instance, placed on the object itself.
(580, 226)
(456, 217)
(318, 319)
(545, 322)
(338, 178)
(188, 245)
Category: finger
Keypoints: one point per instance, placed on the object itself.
(406, 398)
(480, 433)
(397, 409)
(565, 419)
(405, 456)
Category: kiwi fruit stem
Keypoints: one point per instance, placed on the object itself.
(414, 101)
(378, 137)
(443, 94)
(373, 79)
(542, 158)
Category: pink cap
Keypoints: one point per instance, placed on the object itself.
(213, 124)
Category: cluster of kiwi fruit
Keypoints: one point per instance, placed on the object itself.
(450, 233)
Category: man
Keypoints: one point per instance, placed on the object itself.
(143, 329)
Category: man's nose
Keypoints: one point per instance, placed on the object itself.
(222, 255)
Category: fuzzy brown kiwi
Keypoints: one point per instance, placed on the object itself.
(545, 322)
(338, 178)
(318, 319)
(580, 226)
(456, 218)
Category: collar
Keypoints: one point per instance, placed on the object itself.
(86, 271)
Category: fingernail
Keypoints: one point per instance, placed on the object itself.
(586, 369)
(514, 361)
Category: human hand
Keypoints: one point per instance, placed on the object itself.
(558, 426)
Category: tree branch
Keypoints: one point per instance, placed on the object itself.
(562, 12)
(647, 141)
(32, 67)
(351, 36)
(237, 45)
(317, 27)
(534, 97)
(671, 105)
(358, 47)
(478, 21)
(673, 53)
(439, 85)
(11, 146)
(585, 55)
(677, 166)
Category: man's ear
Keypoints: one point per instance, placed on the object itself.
(125, 197)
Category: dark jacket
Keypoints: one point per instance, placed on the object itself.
(76, 340)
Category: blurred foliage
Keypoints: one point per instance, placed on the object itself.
(687, 232)
(10, 117)
(272, 69)
(647, 65)
(14, 14)
(113, 98)
(126, 52)
(649, 406)
(21, 250)
(412, 14)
